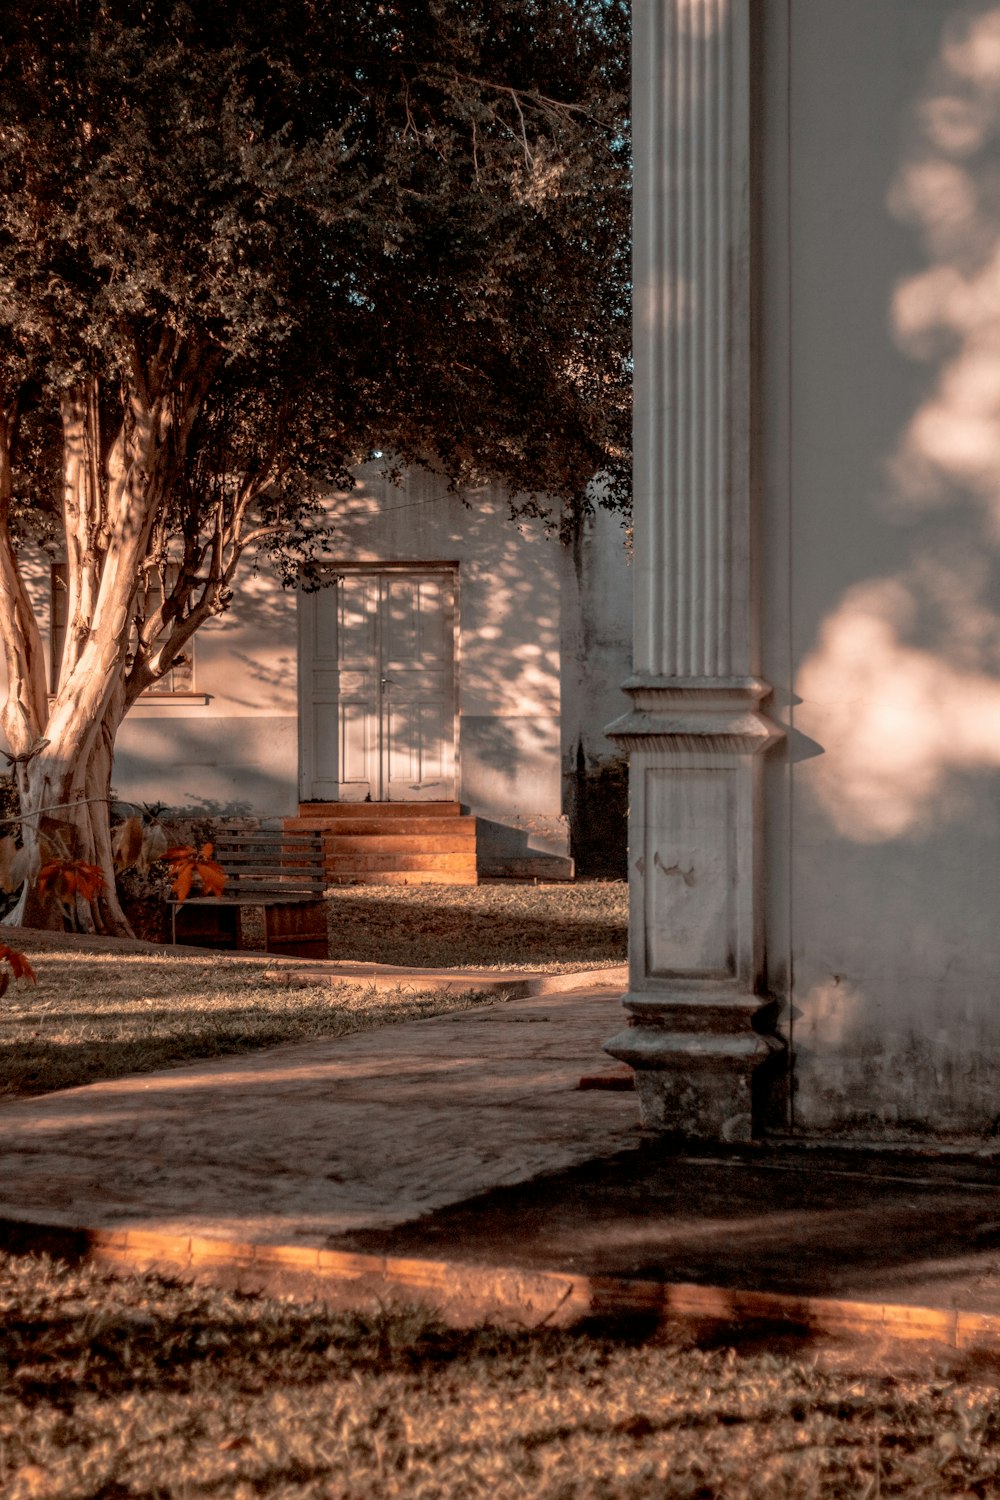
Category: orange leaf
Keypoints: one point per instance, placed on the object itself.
(69, 878)
(189, 864)
(181, 858)
(19, 965)
(89, 880)
(212, 877)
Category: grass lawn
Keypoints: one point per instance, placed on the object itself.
(101, 1015)
(139, 1388)
(504, 926)
(134, 1388)
(97, 1015)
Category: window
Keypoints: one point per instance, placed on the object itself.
(180, 678)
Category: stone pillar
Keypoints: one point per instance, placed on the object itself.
(697, 998)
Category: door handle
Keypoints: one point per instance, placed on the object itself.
(385, 682)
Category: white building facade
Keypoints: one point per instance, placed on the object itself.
(815, 729)
(452, 655)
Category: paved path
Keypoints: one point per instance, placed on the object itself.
(296, 1144)
(344, 1169)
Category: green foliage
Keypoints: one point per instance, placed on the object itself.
(400, 227)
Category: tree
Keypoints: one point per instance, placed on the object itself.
(242, 250)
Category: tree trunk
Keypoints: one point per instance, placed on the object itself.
(65, 800)
(110, 508)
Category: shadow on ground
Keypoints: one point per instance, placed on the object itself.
(804, 1222)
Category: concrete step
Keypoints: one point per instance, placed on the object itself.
(392, 843)
(386, 827)
(332, 811)
(405, 877)
(397, 843)
(359, 862)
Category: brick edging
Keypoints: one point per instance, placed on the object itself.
(467, 1294)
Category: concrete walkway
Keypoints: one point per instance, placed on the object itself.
(298, 1144)
(385, 1166)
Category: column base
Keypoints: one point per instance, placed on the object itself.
(693, 1083)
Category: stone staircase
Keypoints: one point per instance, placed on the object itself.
(392, 843)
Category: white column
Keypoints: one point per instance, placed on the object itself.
(697, 988)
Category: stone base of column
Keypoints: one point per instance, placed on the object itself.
(697, 1005)
(697, 1083)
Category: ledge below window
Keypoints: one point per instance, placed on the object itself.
(180, 700)
(191, 697)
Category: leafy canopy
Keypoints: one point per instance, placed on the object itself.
(397, 226)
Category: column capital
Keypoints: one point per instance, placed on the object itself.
(696, 715)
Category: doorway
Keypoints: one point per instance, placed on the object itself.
(377, 692)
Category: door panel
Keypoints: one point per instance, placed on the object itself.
(319, 693)
(380, 667)
(418, 630)
(355, 606)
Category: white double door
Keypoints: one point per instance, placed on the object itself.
(378, 686)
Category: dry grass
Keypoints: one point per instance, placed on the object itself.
(503, 926)
(143, 1389)
(102, 1015)
(97, 1015)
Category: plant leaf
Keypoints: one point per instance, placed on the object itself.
(189, 864)
(68, 878)
(212, 877)
(24, 865)
(154, 846)
(88, 879)
(127, 843)
(19, 965)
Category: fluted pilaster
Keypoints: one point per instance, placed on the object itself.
(696, 731)
(692, 337)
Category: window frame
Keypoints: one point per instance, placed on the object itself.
(58, 622)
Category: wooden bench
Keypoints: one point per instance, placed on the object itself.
(273, 900)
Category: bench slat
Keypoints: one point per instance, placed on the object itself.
(300, 840)
(269, 836)
(266, 882)
(247, 898)
(249, 861)
(273, 852)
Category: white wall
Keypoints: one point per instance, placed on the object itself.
(520, 616)
(508, 649)
(234, 746)
(544, 642)
(881, 509)
(596, 586)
